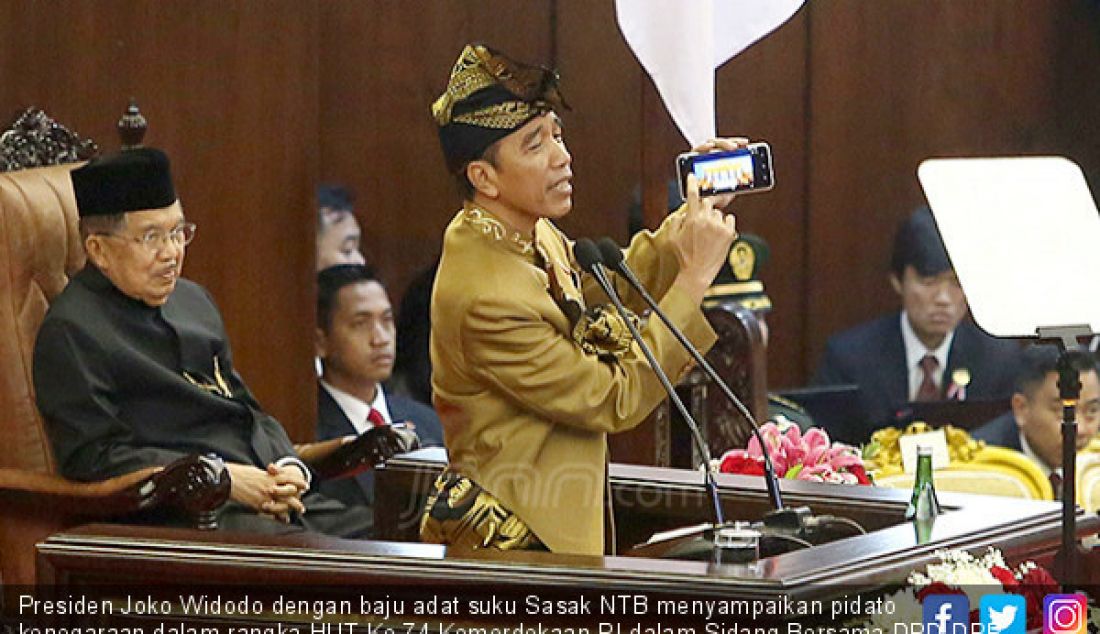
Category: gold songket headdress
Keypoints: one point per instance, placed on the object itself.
(489, 96)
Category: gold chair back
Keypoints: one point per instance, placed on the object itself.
(975, 467)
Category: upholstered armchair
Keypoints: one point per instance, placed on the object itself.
(1088, 477)
(39, 249)
(975, 466)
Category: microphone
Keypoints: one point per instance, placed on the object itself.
(588, 257)
(781, 517)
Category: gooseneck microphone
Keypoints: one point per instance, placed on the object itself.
(588, 257)
(612, 256)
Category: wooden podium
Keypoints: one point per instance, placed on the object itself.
(646, 499)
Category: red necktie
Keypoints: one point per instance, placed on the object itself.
(375, 418)
(928, 390)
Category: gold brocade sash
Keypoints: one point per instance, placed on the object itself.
(461, 514)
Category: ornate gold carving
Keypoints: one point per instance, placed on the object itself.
(884, 450)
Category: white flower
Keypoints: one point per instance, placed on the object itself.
(959, 568)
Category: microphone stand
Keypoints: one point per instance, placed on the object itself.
(781, 516)
(588, 256)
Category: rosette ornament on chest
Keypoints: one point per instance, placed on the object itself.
(597, 329)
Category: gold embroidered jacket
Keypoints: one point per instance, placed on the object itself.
(525, 406)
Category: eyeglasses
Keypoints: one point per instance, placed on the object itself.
(154, 240)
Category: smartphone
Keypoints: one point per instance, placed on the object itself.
(744, 170)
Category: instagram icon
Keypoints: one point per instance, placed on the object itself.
(1064, 614)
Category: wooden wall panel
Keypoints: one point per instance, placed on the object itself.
(761, 94)
(602, 81)
(1076, 68)
(893, 83)
(383, 63)
(9, 45)
(230, 91)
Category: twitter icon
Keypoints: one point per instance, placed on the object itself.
(1003, 614)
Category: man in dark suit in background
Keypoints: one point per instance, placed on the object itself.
(412, 373)
(356, 340)
(338, 233)
(929, 351)
(1034, 424)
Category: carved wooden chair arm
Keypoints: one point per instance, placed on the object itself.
(194, 484)
(347, 456)
(311, 452)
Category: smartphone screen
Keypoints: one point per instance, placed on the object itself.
(741, 170)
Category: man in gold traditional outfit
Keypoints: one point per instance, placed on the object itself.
(529, 372)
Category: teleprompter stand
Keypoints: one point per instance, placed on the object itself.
(1069, 391)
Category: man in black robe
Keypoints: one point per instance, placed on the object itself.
(132, 367)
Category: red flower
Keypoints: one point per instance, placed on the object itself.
(1005, 576)
(937, 587)
(1039, 576)
(1035, 584)
(860, 473)
(739, 462)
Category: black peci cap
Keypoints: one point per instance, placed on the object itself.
(134, 180)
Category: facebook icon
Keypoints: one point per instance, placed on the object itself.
(946, 614)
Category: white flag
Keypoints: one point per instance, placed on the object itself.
(681, 43)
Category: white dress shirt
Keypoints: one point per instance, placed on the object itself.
(356, 409)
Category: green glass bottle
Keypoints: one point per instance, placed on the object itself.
(923, 505)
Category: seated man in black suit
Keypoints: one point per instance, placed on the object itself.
(133, 369)
(927, 352)
(356, 344)
(1034, 424)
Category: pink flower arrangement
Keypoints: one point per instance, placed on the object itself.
(798, 456)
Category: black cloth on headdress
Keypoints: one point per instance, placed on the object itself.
(134, 180)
